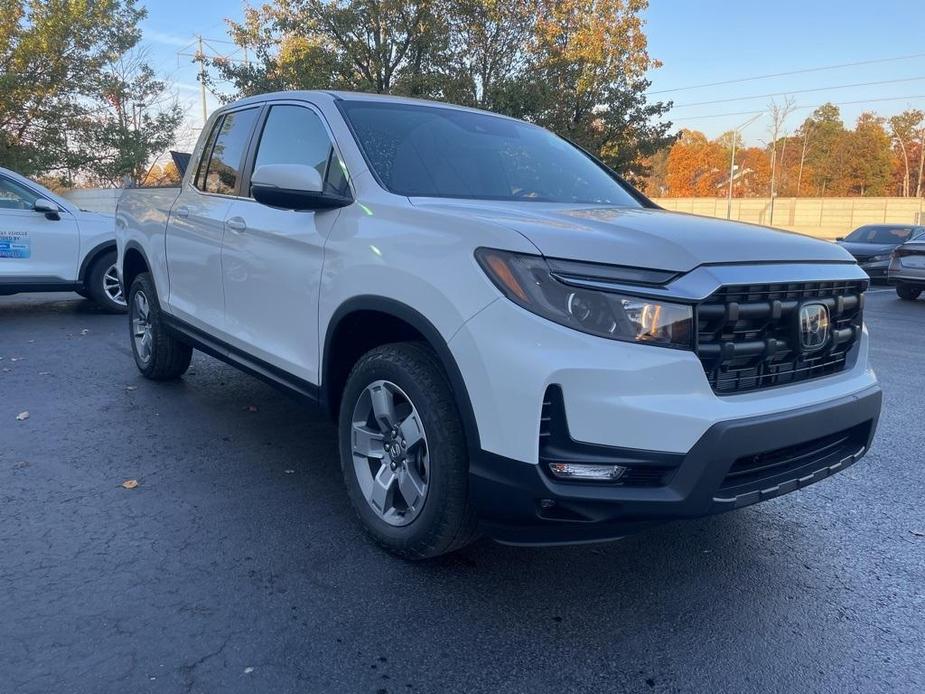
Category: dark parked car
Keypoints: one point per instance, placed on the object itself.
(907, 269)
(872, 244)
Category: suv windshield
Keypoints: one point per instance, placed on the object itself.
(880, 234)
(431, 151)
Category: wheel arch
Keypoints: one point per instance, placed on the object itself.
(341, 351)
(134, 262)
(92, 256)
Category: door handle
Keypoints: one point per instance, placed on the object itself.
(183, 211)
(236, 224)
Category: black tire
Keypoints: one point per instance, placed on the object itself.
(446, 522)
(907, 293)
(169, 358)
(97, 280)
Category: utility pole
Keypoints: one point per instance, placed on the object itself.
(205, 50)
(201, 57)
(732, 162)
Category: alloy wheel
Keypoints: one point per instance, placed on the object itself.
(390, 453)
(142, 332)
(112, 287)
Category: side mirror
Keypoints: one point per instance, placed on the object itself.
(293, 187)
(839, 238)
(48, 208)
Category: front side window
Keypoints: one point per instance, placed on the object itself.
(296, 135)
(442, 152)
(14, 196)
(223, 170)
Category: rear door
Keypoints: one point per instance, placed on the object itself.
(33, 247)
(196, 224)
(272, 257)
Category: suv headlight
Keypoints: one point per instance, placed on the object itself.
(530, 282)
(878, 258)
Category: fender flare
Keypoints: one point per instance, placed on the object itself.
(420, 323)
(135, 246)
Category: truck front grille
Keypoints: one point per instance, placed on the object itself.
(748, 336)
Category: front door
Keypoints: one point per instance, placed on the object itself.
(272, 258)
(32, 246)
(197, 223)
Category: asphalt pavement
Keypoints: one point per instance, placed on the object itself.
(236, 564)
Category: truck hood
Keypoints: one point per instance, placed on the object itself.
(641, 237)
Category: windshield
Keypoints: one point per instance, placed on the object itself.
(430, 151)
(880, 234)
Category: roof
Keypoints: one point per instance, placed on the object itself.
(336, 95)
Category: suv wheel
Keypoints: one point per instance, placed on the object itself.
(908, 293)
(159, 355)
(103, 284)
(403, 453)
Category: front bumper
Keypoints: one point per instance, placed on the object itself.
(876, 270)
(519, 504)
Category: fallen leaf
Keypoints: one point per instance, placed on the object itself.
(131, 387)
(289, 472)
(44, 373)
(22, 416)
(84, 331)
(248, 670)
(251, 408)
(130, 484)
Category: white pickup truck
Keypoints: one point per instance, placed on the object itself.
(513, 341)
(48, 244)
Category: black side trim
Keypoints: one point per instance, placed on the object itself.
(229, 354)
(91, 257)
(369, 302)
(15, 285)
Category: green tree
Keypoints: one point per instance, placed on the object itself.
(868, 157)
(134, 121)
(72, 99)
(577, 67)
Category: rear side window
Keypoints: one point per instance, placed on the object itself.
(223, 170)
(295, 135)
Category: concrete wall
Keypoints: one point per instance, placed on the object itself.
(95, 199)
(822, 217)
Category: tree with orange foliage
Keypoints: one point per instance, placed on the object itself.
(696, 166)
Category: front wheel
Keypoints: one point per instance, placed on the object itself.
(158, 354)
(103, 284)
(403, 453)
(907, 293)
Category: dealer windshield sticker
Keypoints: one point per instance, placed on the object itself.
(15, 244)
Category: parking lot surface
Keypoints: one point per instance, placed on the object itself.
(236, 564)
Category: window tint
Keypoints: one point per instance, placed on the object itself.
(200, 181)
(880, 234)
(434, 151)
(295, 135)
(14, 196)
(228, 153)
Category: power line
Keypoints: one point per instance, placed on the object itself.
(803, 108)
(791, 72)
(798, 91)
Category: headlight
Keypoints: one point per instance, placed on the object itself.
(878, 258)
(528, 281)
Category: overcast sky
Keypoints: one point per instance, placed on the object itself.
(698, 42)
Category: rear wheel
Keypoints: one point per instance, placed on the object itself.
(907, 293)
(158, 354)
(103, 284)
(403, 453)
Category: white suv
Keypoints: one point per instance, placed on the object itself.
(48, 244)
(513, 340)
